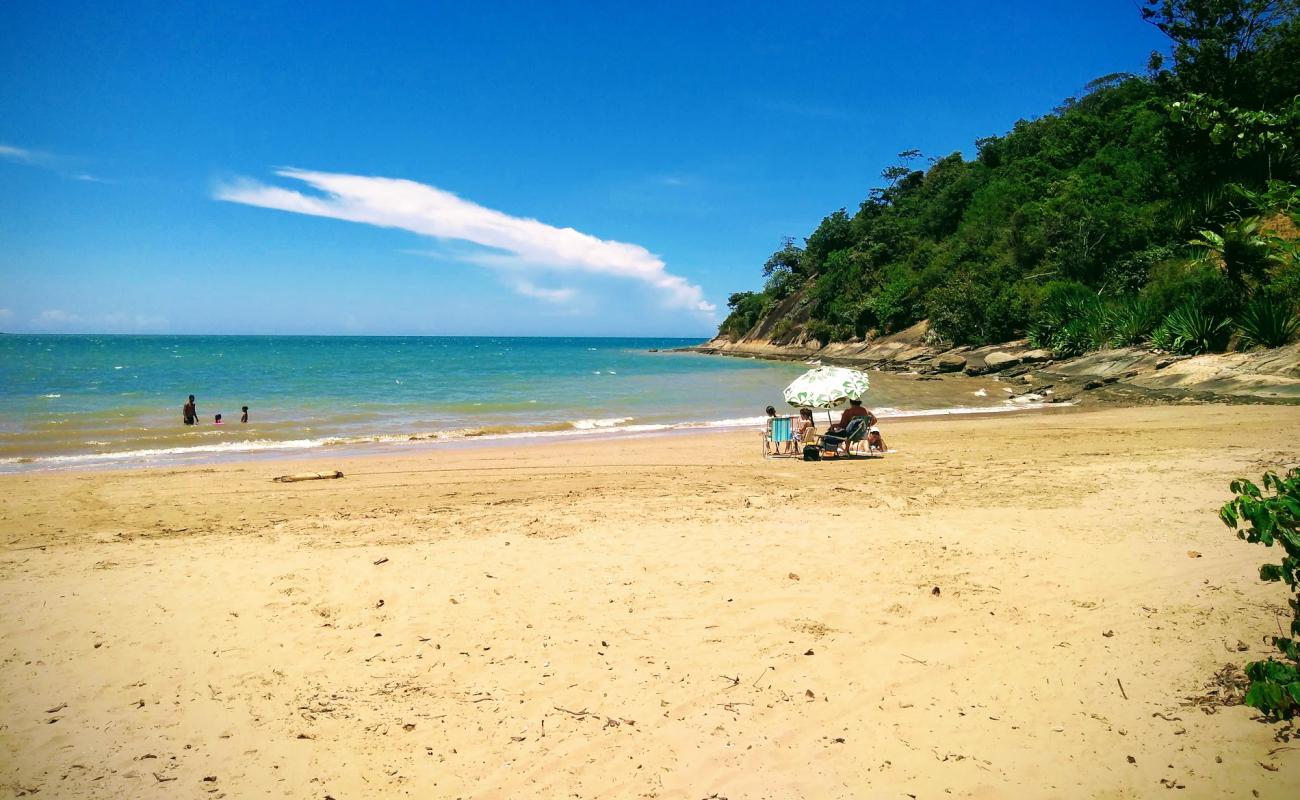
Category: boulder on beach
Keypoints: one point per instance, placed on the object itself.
(1001, 360)
(949, 362)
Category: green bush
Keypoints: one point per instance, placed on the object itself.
(1284, 278)
(1162, 338)
(1241, 249)
(1177, 283)
(1128, 275)
(1069, 319)
(892, 306)
(782, 330)
(1268, 322)
(1194, 331)
(822, 331)
(1130, 321)
(747, 308)
(1085, 332)
(976, 310)
(1268, 517)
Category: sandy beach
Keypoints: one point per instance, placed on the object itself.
(1017, 606)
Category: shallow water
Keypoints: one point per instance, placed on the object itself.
(70, 400)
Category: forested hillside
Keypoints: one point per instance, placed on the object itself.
(1153, 208)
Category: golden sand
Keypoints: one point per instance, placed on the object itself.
(1009, 607)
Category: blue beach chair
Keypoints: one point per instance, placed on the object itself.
(780, 430)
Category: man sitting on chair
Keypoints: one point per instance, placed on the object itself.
(839, 433)
(855, 409)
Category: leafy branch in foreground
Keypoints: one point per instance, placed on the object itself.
(1266, 517)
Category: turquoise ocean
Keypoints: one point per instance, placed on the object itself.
(88, 400)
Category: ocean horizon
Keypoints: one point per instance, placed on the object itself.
(78, 400)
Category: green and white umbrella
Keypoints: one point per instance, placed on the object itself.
(826, 387)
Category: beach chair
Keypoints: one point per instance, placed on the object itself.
(810, 436)
(854, 434)
(779, 431)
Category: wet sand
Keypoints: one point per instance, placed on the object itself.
(659, 617)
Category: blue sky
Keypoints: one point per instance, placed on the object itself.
(440, 168)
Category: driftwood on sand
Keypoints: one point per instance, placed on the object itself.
(308, 476)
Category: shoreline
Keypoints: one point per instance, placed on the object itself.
(403, 444)
(470, 623)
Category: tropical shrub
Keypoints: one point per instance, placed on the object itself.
(1061, 305)
(1130, 321)
(1272, 516)
(747, 308)
(892, 306)
(1268, 322)
(1178, 283)
(969, 309)
(1162, 338)
(1196, 331)
(1241, 250)
(1128, 275)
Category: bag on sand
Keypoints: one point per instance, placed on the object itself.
(812, 452)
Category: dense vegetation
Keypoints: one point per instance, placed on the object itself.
(1157, 208)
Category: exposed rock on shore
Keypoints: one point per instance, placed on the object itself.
(1131, 374)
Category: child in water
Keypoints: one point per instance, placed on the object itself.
(217, 421)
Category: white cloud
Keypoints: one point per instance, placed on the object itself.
(427, 210)
(549, 295)
(46, 160)
(21, 155)
(6, 315)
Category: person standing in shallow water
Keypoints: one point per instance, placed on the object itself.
(243, 417)
(190, 415)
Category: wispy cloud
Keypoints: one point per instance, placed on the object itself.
(6, 315)
(54, 162)
(527, 289)
(521, 243)
(22, 155)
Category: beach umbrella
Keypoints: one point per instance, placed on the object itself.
(826, 387)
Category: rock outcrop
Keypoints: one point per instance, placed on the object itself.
(1125, 374)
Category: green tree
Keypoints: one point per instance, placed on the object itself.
(1215, 41)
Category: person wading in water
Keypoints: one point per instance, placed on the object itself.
(190, 415)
